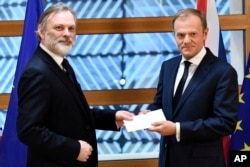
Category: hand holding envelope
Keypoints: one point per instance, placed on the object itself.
(144, 121)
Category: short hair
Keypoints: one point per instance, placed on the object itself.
(190, 11)
(53, 10)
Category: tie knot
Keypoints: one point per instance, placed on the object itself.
(65, 64)
(187, 64)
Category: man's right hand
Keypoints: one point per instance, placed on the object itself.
(85, 151)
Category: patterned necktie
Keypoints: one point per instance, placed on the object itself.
(180, 87)
(69, 70)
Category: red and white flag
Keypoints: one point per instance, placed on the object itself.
(214, 38)
(215, 43)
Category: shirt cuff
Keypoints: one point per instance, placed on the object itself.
(178, 131)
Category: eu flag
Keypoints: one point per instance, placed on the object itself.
(240, 140)
(12, 151)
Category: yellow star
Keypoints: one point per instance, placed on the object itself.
(241, 98)
(238, 126)
(247, 76)
(246, 147)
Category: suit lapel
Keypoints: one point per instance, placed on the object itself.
(74, 90)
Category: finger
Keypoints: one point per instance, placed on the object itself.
(143, 112)
(152, 128)
(91, 149)
(157, 123)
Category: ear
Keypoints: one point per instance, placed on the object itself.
(41, 32)
(205, 33)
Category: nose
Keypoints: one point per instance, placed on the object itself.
(187, 39)
(66, 32)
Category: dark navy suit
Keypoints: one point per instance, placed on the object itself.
(207, 111)
(53, 115)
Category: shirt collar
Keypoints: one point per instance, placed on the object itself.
(58, 59)
(197, 58)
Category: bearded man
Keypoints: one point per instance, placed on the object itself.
(54, 119)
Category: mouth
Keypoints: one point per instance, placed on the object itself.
(66, 42)
(187, 47)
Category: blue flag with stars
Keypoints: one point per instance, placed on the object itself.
(240, 140)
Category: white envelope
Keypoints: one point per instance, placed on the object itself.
(144, 121)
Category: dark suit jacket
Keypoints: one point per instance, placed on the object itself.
(207, 111)
(53, 115)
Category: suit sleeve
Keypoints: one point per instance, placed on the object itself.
(104, 119)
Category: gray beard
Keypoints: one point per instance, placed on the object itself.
(57, 47)
(62, 49)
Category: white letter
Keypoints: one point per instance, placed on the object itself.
(243, 157)
(237, 158)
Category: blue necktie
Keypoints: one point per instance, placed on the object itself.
(179, 90)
